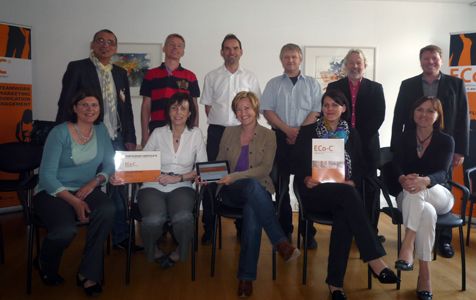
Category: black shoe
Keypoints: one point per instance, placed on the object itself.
(424, 295)
(90, 291)
(403, 265)
(206, 239)
(446, 250)
(386, 276)
(381, 239)
(311, 243)
(338, 295)
(48, 279)
(125, 243)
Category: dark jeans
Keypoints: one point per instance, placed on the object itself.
(258, 214)
(283, 154)
(349, 221)
(60, 220)
(214, 135)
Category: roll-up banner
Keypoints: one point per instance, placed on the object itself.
(462, 64)
(15, 91)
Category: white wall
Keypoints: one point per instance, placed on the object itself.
(62, 30)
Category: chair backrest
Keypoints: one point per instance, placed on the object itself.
(40, 131)
(388, 174)
(470, 179)
(19, 157)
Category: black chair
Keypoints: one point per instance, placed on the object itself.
(470, 183)
(133, 215)
(306, 217)
(22, 159)
(448, 220)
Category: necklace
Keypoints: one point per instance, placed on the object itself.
(420, 143)
(82, 138)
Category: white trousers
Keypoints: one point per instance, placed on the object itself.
(420, 211)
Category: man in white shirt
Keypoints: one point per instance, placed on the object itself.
(220, 87)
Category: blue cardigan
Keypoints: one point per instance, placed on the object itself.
(59, 172)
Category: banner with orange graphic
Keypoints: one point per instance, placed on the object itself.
(15, 91)
(462, 64)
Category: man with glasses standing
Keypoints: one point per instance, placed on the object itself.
(110, 82)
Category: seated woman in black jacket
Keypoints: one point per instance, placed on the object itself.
(342, 200)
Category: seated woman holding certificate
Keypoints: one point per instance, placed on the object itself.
(172, 197)
(249, 149)
(422, 161)
(69, 190)
(341, 199)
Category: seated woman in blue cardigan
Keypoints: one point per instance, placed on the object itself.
(69, 190)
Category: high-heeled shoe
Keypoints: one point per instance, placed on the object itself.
(90, 291)
(386, 276)
(403, 265)
(245, 288)
(47, 279)
(424, 295)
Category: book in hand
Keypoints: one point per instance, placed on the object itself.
(137, 166)
(328, 160)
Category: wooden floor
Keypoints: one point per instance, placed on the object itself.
(151, 282)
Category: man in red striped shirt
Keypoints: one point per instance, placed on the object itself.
(161, 83)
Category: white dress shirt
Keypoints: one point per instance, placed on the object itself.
(219, 89)
(190, 151)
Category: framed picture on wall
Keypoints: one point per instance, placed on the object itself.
(137, 58)
(326, 63)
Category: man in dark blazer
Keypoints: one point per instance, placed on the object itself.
(111, 84)
(452, 93)
(367, 112)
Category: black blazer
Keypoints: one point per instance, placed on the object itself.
(369, 116)
(452, 93)
(83, 74)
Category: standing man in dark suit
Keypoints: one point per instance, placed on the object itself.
(111, 84)
(367, 112)
(452, 93)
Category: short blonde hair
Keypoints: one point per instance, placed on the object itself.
(249, 95)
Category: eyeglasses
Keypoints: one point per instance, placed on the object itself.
(103, 42)
(88, 105)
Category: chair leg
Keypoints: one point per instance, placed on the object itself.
(304, 264)
(399, 246)
(2, 249)
(129, 249)
(469, 222)
(29, 265)
(108, 245)
(214, 244)
(463, 259)
(299, 233)
(193, 253)
(273, 257)
(369, 278)
(219, 233)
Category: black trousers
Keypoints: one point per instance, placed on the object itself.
(60, 220)
(214, 134)
(349, 221)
